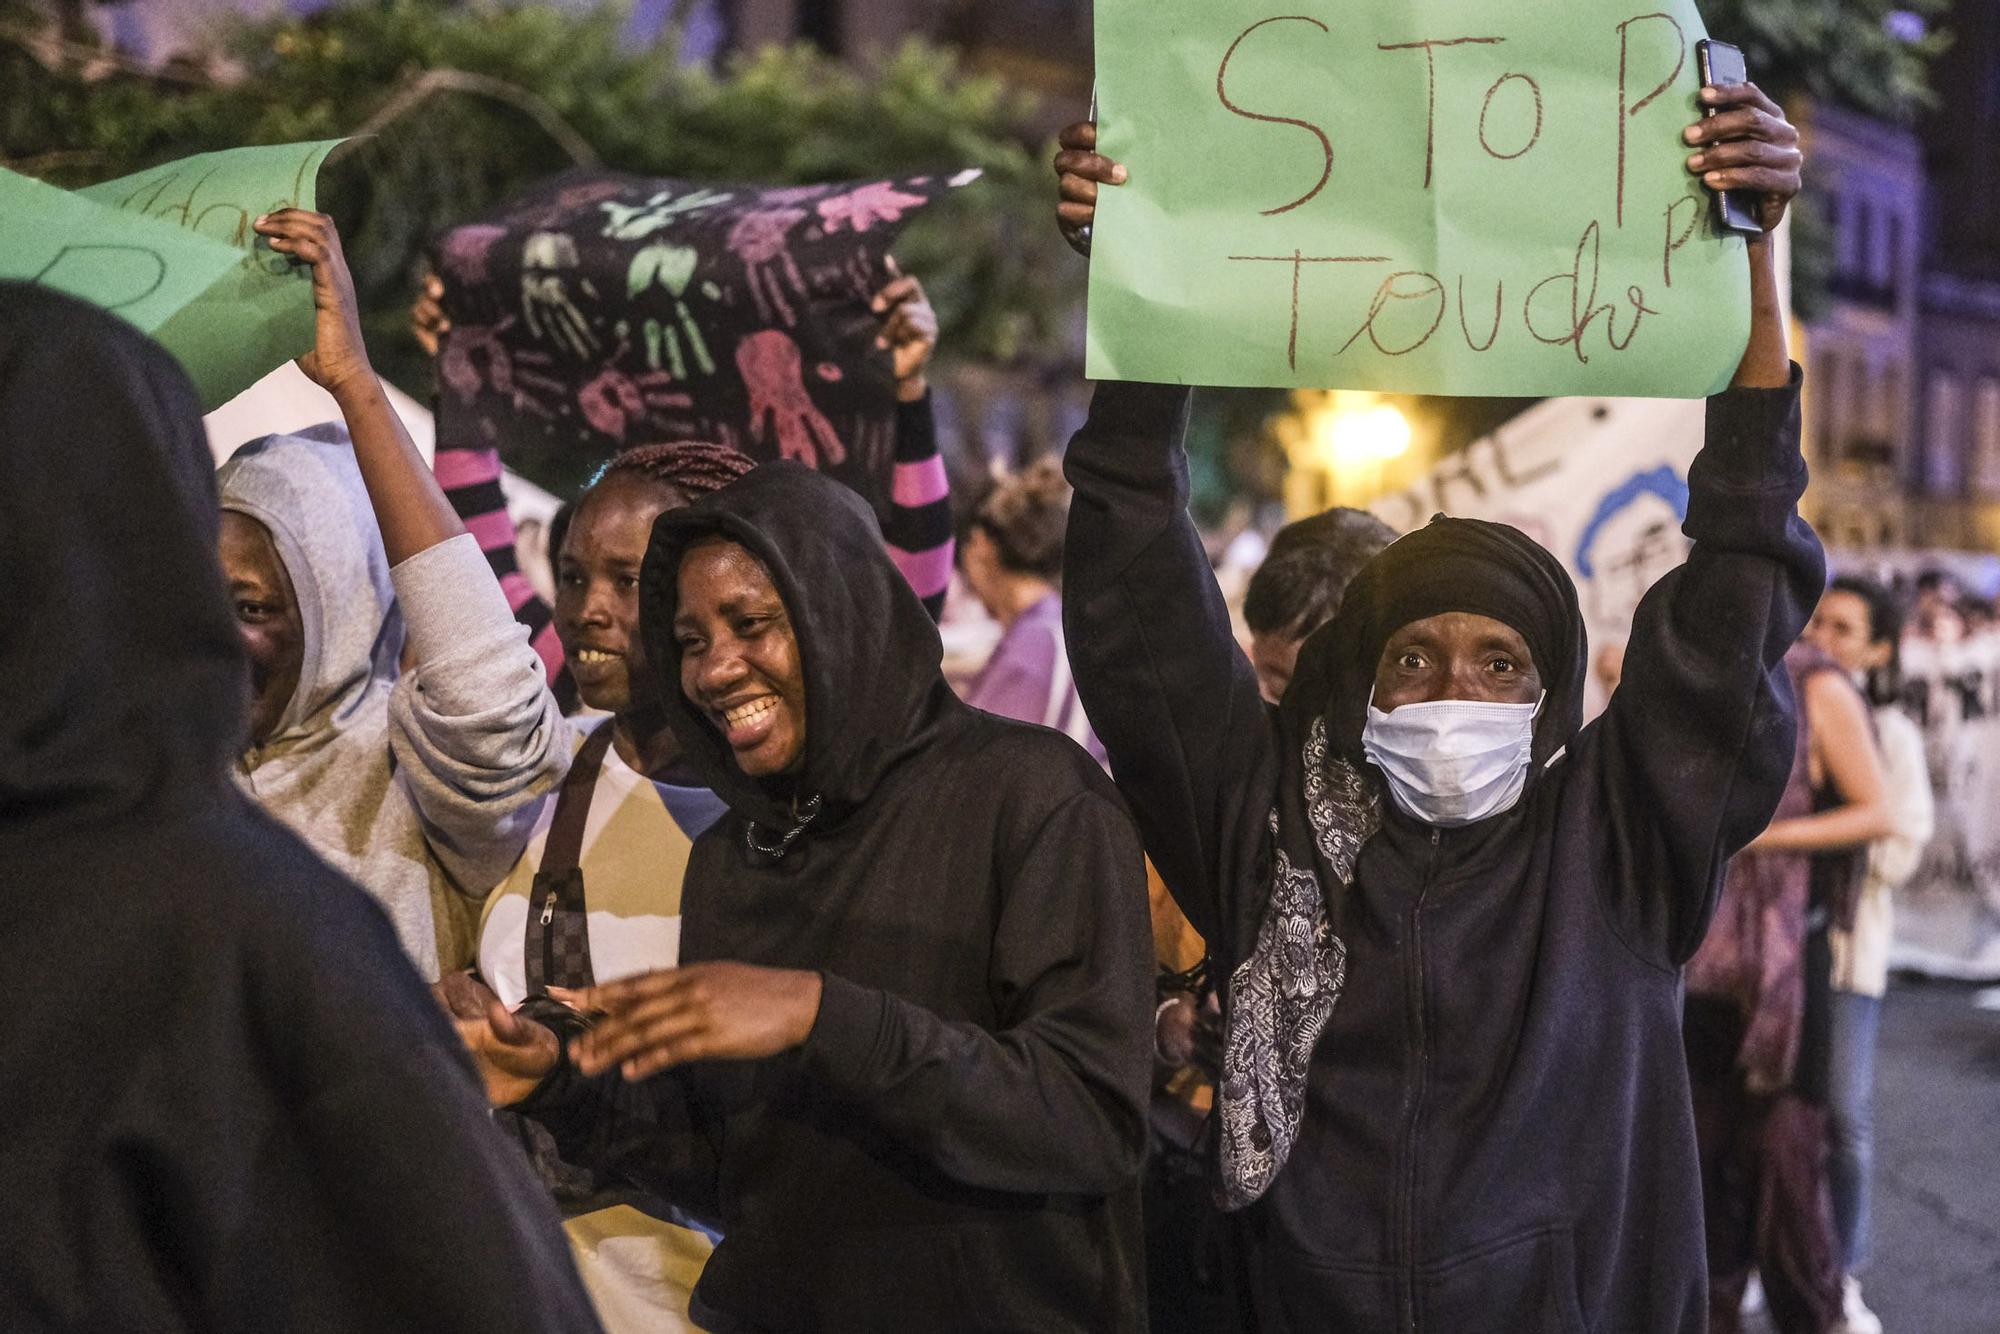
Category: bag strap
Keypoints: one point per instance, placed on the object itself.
(563, 852)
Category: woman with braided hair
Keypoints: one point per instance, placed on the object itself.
(597, 894)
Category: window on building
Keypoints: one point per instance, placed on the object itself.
(1863, 257)
(1888, 394)
(1986, 435)
(820, 24)
(1820, 375)
(1944, 446)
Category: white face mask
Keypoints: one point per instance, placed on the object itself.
(1453, 761)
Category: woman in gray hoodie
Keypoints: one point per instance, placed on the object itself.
(343, 558)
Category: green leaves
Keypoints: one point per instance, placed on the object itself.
(1003, 283)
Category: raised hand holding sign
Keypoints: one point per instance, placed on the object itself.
(1427, 197)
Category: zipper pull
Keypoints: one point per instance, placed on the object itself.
(549, 909)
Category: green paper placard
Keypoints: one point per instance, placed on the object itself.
(1418, 196)
(170, 249)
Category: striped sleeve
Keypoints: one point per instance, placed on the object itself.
(918, 529)
(471, 481)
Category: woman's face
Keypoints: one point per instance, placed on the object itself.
(1839, 629)
(267, 616)
(597, 586)
(740, 658)
(1456, 655)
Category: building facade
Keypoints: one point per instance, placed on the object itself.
(1867, 184)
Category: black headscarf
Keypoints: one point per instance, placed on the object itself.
(1329, 805)
(870, 652)
(122, 677)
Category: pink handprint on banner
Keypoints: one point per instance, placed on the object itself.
(465, 345)
(758, 239)
(610, 402)
(772, 371)
(862, 208)
(465, 250)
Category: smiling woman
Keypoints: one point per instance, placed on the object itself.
(916, 977)
(740, 658)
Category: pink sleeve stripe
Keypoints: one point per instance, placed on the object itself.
(457, 469)
(929, 572)
(551, 650)
(921, 483)
(518, 590)
(494, 530)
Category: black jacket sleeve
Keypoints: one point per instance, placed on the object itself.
(1054, 1100)
(413, 1195)
(1167, 689)
(1694, 750)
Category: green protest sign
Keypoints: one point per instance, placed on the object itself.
(1422, 196)
(171, 250)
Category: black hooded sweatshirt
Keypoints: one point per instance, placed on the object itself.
(1496, 1136)
(230, 1103)
(957, 1144)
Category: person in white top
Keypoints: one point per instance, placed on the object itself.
(1858, 625)
(597, 894)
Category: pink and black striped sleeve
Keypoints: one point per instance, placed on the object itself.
(471, 481)
(918, 530)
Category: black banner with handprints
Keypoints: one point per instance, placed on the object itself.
(604, 311)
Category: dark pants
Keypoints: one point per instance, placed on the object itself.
(1764, 1186)
(1194, 1282)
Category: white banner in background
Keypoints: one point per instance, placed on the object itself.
(1601, 482)
(1948, 916)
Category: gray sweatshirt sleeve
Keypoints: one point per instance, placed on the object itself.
(477, 738)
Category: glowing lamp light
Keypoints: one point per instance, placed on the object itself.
(1358, 430)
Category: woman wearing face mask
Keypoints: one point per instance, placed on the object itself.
(1451, 919)
(906, 1057)
(597, 895)
(1859, 626)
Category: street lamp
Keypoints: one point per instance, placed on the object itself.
(1349, 434)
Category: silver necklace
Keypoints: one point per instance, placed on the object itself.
(803, 817)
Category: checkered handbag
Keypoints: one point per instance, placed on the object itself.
(558, 944)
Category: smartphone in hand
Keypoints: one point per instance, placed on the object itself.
(1721, 65)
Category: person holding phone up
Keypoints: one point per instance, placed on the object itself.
(1451, 918)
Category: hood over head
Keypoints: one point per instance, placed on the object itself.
(870, 653)
(306, 489)
(1462, 565)
(123, 682)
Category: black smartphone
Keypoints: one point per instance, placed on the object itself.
(1722, 65)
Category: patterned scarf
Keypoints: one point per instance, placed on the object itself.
(1284, 986)
(1283, 993)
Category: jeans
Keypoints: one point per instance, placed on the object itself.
(1851, 1103)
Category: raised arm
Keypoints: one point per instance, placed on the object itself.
(918, 529)
(1696, 745)
(478, 738)
(410, 509)
(1169, 693)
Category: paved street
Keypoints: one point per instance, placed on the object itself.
(1937, 1162)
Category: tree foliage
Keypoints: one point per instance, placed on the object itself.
(1871, 56)
(1004, 285)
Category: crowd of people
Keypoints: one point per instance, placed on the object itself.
(1328, 981)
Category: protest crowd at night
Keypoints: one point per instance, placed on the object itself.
(553, 776)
